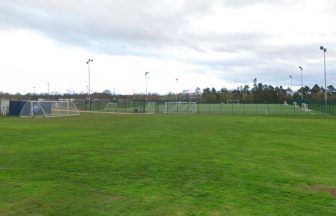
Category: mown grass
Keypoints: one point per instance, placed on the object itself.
(100, 164)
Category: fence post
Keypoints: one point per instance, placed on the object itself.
(294, 107)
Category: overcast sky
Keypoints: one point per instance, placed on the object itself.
(203, 43)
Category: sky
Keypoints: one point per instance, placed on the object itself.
(183, 44)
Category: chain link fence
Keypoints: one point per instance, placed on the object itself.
(129, 106)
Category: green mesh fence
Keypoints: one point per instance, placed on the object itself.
(111, 106)
(290, 108)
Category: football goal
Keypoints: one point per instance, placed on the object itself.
(111, 107)
(232, 101)
(180, 107)
(295, 104)
(49, 109)
(305, 107)
(4, 107)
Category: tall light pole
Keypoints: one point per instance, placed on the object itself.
(291, 78)
(34, 90)
(89, 94)
(301, 68)
(325, 75)
(146, 74)
(176, 89)
(48, 88)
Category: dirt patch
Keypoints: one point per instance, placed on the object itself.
(321, 189)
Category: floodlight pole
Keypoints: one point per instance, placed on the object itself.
(146, 74)
(89, 94)
(301, 68)
(48, 88)
(176, 89)
(325, 75)
(291, 78)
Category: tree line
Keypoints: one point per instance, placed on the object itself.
(258, 93)
(262, 93)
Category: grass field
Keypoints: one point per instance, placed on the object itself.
(100, 164)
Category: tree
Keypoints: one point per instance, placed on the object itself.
(224, 90)
(316, 89)
(206, 91)
(246, 88)
(198, 91)
(331, 89)
(108, 92)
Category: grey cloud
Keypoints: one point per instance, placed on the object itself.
(274, 64)
(244, 3)
(128, 27)
(235, 42)
(132, 25)
(138, 23)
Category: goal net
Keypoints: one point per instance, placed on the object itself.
(180, 107)
(232, 101)
(111, 107)
(49, 109)
(305, 107)
(4, 107)
(295, 104)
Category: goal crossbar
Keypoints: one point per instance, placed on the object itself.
(49, 109)
(180, 107)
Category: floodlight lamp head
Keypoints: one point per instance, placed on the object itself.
(323, 48)
(88, 61)
(301, 68)
(146, 73)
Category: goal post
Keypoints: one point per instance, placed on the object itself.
(49, 109)
(180, 107)
(111, 107)
(4, 107)
(305, 107)
(232, 101)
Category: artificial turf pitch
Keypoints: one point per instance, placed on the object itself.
(100, 164)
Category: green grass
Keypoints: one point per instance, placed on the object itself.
(99, 164)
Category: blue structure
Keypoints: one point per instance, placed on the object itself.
(31, 108)
(15, 107)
